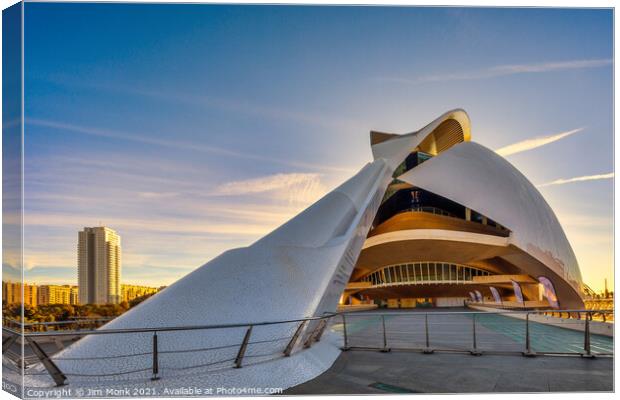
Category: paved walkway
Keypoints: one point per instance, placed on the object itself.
(366, 372)
(410, 371)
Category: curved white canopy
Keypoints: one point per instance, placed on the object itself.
(478, 178)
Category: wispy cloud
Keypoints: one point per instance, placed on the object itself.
(505, 70)
(579, 179)
(238, 106)
(549, 66)
(296, 187)
(157, 195)
(530, 144)
(175, 144)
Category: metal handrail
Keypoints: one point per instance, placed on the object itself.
(60, 377)
(475, 350)
(313, 333)
(168, 328)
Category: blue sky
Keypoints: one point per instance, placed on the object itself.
(193, 129)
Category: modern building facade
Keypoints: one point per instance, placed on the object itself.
(459, 222)
(99, 266)
(433, 216)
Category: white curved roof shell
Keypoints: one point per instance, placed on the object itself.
(478, 178)
(299, 270)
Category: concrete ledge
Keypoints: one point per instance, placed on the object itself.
(357, 307)
(596, 327)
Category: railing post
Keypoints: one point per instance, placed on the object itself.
(56, 374)
(427, 349)
(385, 349)
(293, 342)
(586, 340)
(344, 331)
(322, 326)
(528, 349)
(315, 335)
(244, 345)
(155, 358)
(474, 351)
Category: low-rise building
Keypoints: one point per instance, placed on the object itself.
(130, 292)
(12, 293)
(57, 294)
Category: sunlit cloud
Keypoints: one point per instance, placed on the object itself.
(157, 195)
(295, 187)
(579, 179)
(534, 143)
(179, 219)
(505, 70)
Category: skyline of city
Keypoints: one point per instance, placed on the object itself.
(42, 294)
(189, 160)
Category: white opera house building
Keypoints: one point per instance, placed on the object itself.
(435, 220)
